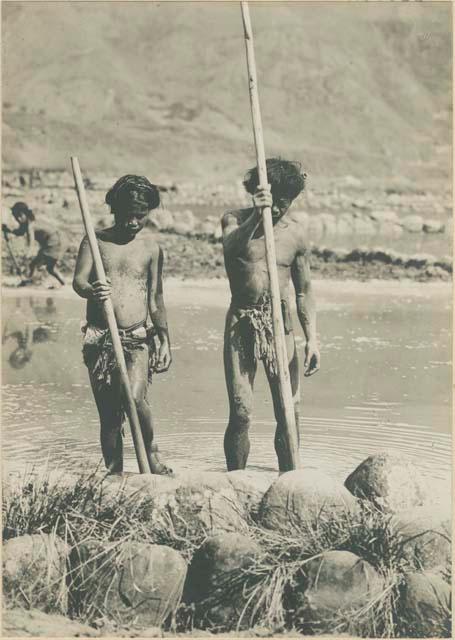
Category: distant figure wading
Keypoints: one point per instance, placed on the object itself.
(249, 332)
(49, 240)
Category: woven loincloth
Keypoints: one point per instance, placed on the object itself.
(258, 320)
(99, 355)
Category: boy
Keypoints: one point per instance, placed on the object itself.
(249, 332)
(133, 263)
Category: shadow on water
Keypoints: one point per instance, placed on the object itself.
(384, 384)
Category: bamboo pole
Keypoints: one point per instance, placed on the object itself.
(284, 382)
(109, 313)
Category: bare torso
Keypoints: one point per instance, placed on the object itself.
(127, 266)
(247, 271)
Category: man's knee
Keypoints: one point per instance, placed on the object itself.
(240, 416)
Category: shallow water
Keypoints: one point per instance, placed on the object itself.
(385, 382)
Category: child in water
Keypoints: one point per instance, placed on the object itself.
(49, 240)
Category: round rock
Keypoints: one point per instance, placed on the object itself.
(301, 497)
(391, 482)
(424, 608)
(130, 582)
(250, 488)
(34, 571)
(425, 537)
(201, 504)
(334, 582)
(215, 582)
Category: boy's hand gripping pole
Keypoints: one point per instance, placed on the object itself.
(108, 309)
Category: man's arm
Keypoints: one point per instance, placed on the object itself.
(306, 309)
(157, 309)
(237, 236)
(84, 264)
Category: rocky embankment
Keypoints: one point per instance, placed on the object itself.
(228, 553)
(355, 232)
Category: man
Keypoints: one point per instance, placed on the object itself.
(134, 265)
(50, 243)
(249, 332)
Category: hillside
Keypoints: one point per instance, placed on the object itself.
(160, 88)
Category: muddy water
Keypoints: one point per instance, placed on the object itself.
(384, 382)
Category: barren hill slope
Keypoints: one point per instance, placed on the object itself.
(160, 88)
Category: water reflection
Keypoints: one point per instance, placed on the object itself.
(20, 333)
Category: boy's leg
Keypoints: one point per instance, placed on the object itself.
(108, 402)
(240, 370)
(138, 366)
(280, 441)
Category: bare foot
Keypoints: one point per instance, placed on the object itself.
(159, 468)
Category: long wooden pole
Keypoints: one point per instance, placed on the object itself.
(284, 382)
(108, 309)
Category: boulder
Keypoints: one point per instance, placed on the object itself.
(250, 487)
(329, 223)
(129, 582)
(22, 623)
(195, 509)
(425, 536)
(412, 223)
(334, 583)
(160, 219)
(390, 481)
(433, 226)
(302, 497)
(315, 227)
(216, 579)
(34, 571)
(385, 216)
(207, 228)
(424, 607)
(365, 227)
(390, 230)
(184, 222)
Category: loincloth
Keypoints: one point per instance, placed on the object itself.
(258, 322)
(99, 356)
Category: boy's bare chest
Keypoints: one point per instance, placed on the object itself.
(285, 247)
(130, 259)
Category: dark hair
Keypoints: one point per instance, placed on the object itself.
(285, 178)
(132, 192)
(21, 207)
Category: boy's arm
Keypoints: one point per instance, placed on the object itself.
(306, 309)
(237, 236)
(157, 309)
(97, 291)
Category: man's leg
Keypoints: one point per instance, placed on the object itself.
(280, 441)
(138, 374)
(109, 407)
(240, 371)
